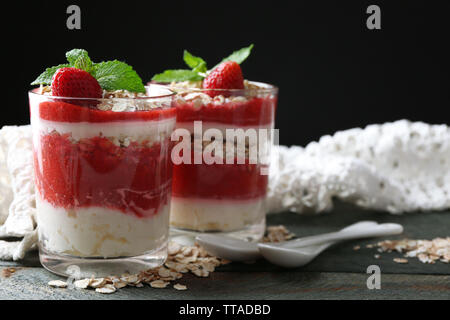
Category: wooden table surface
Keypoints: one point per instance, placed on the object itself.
(338, 273)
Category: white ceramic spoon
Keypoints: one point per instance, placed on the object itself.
(293, 257)
(363, 229)
(239, 250)
(290, 256)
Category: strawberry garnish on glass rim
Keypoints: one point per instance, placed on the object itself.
(228, 75)
(73, 82)
(225, 75)
(80, 77)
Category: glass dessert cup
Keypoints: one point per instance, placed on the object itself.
(103, 181)
(226, 197)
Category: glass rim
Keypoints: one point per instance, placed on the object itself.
(262, 88)
(171, 94)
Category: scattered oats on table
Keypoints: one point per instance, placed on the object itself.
(400, 260)
(97, 283)
(180, 260)
(427, 251)
(133, 279)
(57, 284)
(8, 272)
(119, 284)
(107, 288)
(180, 287)
(277, 234)
(159, 284)
(82, 284)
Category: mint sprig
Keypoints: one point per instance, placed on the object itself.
(111, 75)
(238, 56)
(117, 75)
(79, 58)
(75, 54)
(45, 78)
(198, 67)
(197, 64)
(177, 75)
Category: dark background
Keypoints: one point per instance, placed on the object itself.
(332, 71)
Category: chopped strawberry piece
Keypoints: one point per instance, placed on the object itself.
(228, 75)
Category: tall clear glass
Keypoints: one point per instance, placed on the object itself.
(222, 186)
(103, 181)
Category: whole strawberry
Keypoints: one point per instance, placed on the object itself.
(73, 82)
(228, 75)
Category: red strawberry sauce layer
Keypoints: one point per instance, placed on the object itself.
(219, 181)
(224, 181)
(67, 112)
(254, 112)
(95, 172)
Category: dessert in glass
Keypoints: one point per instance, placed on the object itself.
(223, 196)
(103, 175)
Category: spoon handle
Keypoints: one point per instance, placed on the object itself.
(365, 231)
(307, 241)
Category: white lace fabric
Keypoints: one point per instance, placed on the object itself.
(17, 200)
(396, 167)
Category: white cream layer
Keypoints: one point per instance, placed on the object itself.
(99, 232)
(215, 215)
(135, 130)
(205, 125)
(153, 130)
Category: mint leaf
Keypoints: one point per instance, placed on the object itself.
(45, 78)
(238, 56)
(84, 63)
(177, 75)
(117, 75)
(74, 54)
(79, 59)
(193, 62)
(201, 68)
(111, 75)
